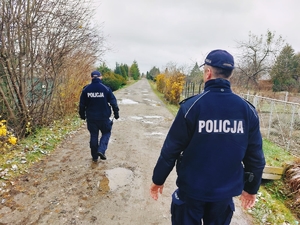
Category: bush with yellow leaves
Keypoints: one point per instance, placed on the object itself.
(160, 82)
(171, 85)
(174, 86)
(7, 139)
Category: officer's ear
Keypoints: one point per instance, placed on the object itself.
(207, 73)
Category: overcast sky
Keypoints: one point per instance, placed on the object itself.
(157, 32)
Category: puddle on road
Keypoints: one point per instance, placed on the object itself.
(148, 122)
(146, 119)
(114, 179)
(155, 133)
(103, 185)
(153, 117)
(149, 100)
(152, 102)
(136, 117)
(127, 101)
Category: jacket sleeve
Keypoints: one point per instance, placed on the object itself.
(175, 143)
(113, 102)
(254, 160)
(82, 106)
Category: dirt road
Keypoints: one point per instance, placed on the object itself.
(68, 188)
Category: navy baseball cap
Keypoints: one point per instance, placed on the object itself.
(220, 58)
(96, 74)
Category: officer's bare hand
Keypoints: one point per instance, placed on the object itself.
(248, 200)
(155, 189)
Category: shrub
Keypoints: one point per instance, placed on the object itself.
(114, 81)
(174, 87)
(171, 85)
(160, 82)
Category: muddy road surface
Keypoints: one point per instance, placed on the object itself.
(66, 187)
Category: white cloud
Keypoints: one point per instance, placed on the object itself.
(155, 32)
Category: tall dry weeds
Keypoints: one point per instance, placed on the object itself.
(292, 181)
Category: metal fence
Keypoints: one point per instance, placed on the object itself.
(279, 119)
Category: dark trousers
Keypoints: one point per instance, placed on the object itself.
(187, 211)
(95, 127)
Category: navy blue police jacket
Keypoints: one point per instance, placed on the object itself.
(214, 139)
(96, 101)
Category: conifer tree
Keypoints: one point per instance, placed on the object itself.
(134, 71)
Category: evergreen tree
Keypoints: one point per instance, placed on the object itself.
(118, 69)
(196, 71)
(195, 75)
(134, 71)
(284, 72)
(121, 69)
(153, 73)
(297, 72)
(124, 70)
(103, 69)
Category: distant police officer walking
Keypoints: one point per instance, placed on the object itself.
(95, 105)
(216, 144)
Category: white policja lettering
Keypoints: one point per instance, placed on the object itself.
(95, 95)
(221, 126)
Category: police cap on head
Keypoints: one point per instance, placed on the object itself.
(220, 58)
(96, 74)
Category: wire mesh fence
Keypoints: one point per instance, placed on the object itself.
(279, 119)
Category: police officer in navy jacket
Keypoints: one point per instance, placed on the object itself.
(216, 145)
(95, 105)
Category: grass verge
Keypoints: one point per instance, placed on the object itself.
(20, 157)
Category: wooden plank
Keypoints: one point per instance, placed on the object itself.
(268, 176)
(273, 170)
(272, 173)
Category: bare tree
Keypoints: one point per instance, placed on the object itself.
(257, 56)
(44, 47)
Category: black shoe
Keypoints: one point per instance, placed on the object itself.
(95, 160)
(102, 156)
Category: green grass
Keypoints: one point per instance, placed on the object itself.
(276, 156)
(37, 145)
(271, 210)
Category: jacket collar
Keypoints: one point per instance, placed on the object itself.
(96, 80)
(217, 84)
